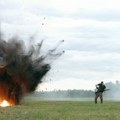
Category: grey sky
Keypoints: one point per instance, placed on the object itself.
(90, 29)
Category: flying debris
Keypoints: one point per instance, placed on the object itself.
(22, 68)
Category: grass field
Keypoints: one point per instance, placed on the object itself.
(62, 110)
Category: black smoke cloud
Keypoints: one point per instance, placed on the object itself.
(22, 68)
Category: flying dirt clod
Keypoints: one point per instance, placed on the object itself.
(22, 68)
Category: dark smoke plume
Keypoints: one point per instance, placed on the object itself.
(22, 68)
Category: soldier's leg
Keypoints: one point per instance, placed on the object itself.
(101, 97)
(96, 97)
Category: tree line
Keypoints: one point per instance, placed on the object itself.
(113, 93)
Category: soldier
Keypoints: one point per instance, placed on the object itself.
(99, 93)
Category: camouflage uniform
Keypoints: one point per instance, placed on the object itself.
(99, 93)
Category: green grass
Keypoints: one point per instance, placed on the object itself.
(62, 110)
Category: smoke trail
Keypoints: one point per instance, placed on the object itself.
(22, 68)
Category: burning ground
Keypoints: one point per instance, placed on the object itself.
(22, 68)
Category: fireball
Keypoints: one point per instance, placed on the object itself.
(5, 103)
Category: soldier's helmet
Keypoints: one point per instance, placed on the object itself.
(101, 82)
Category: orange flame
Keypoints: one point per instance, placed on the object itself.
(5, 103)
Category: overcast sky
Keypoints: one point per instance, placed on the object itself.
(90, 28)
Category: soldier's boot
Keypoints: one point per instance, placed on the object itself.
(95, 101)
(101, 100)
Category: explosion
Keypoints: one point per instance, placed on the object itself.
(5, 103)
(22, 69)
